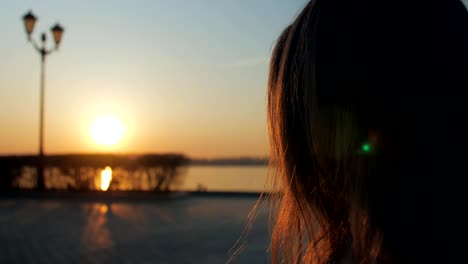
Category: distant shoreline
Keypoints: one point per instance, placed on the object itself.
(229, 162)
(89, 158)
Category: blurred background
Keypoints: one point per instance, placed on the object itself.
(135, 131)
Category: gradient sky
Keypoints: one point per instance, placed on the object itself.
(184, 76)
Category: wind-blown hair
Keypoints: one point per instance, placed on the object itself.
(344, 100)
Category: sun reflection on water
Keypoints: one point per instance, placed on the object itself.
(106, 178)
(103, 209)
(96, 234)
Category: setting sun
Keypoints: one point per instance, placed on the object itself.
(107, 130)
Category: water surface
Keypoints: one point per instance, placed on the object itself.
(226, 178)
(193, 229)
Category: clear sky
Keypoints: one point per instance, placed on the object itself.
(183, 76)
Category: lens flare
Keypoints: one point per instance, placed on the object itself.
(366, 148)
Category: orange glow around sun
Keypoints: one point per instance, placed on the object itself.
(107, 130)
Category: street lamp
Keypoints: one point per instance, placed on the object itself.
(29, 20)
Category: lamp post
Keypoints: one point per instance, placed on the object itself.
(29, 20)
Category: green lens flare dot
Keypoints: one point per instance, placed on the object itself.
(366, 147)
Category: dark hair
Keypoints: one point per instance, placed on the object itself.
(353, 127)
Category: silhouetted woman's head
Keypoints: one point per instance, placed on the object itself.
(360, 95)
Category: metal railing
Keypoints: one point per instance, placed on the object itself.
(82, 172)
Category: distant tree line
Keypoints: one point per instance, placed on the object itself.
(155, 172)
